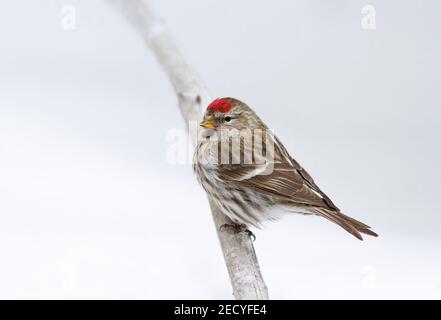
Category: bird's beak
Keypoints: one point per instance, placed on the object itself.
(208, 124)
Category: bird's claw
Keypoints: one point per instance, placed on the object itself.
(250, 234)
(238, 228)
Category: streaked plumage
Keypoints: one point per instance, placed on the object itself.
(252, 192)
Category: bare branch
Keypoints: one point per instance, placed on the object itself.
(192, 94)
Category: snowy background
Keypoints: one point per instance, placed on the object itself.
(90, 208)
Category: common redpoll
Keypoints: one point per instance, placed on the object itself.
(247, 171)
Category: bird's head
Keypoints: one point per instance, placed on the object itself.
(229, 113)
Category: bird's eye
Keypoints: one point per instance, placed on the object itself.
(227, 119)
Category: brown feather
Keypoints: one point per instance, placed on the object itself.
(351, 225)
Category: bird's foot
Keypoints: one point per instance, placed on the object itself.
(237, 228)
(250, 234)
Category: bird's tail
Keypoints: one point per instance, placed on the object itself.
(354, 227)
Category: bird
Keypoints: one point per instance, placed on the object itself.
(249, 174)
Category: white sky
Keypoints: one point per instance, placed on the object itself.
(89, 207)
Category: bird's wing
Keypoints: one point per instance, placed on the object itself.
(287, 181)
(305, 175)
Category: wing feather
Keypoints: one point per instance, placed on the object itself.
(288, 181)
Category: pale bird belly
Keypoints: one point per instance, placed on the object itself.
(241, 206)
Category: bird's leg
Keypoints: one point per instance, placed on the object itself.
(237, 228)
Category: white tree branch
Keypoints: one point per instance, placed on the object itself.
(237, 248)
